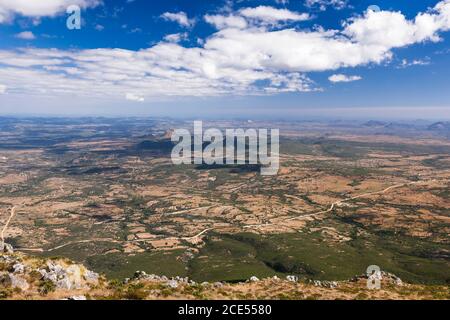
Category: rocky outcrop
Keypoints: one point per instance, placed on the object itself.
(19, 272)
(14, 281)
(23, 277)
(380, 275)
(6, 248)
(70, 277)
(292, 278)
(324, 284)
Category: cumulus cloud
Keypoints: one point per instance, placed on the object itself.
(230, 21)
(134, 97)
(234, 60)
(343, 78)
(176, 37)
(2, 89)
(392, 29)
(26, 35)
(262, 16)
(39, 8)
(180, 17)
(273, 15)
(323, 4)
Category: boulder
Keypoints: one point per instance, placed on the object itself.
(91, 277)
(11, 280)
(254, 279)
(74, 274)
(64, 284)
(6, 248)
(172, 284)
(18, 268)
(78, 298)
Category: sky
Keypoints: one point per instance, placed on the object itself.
(274, 58)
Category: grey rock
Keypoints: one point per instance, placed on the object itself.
(11, 280)
(64, 284)
(254, 279)
(6, 248)
(91, 277)
(381, 275)
(292, 278)
(77, 298)
(50, 276)
(172, 284)
(18, 268)
(398, 282)
(378, 275)
(328, 284)
(140, 275)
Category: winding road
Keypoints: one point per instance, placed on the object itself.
(11, 216)
(330, 209)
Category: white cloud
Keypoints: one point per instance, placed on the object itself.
(261, 16)
(238, 61)
(176, 37)
(26, 35)
(273, 15)
(134, 97)
(2, 89)
(343, 78)
(323, 4)
(180, 17)
(222, 22)
(392, 29)
(39, 8)
(416, 62)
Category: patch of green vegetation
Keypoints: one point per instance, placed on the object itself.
(437, 163)
(46, 287)
(339, 168)
(227, 259)
(121, 265)
(291, 146)
(80, 252)
(5, 293)
(310, 255)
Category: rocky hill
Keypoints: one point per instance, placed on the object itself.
(27, 277)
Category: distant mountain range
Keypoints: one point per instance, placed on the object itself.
(441, 126)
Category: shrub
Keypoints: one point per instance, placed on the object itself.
(46, 287)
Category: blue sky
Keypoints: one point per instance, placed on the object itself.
(273, 58)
